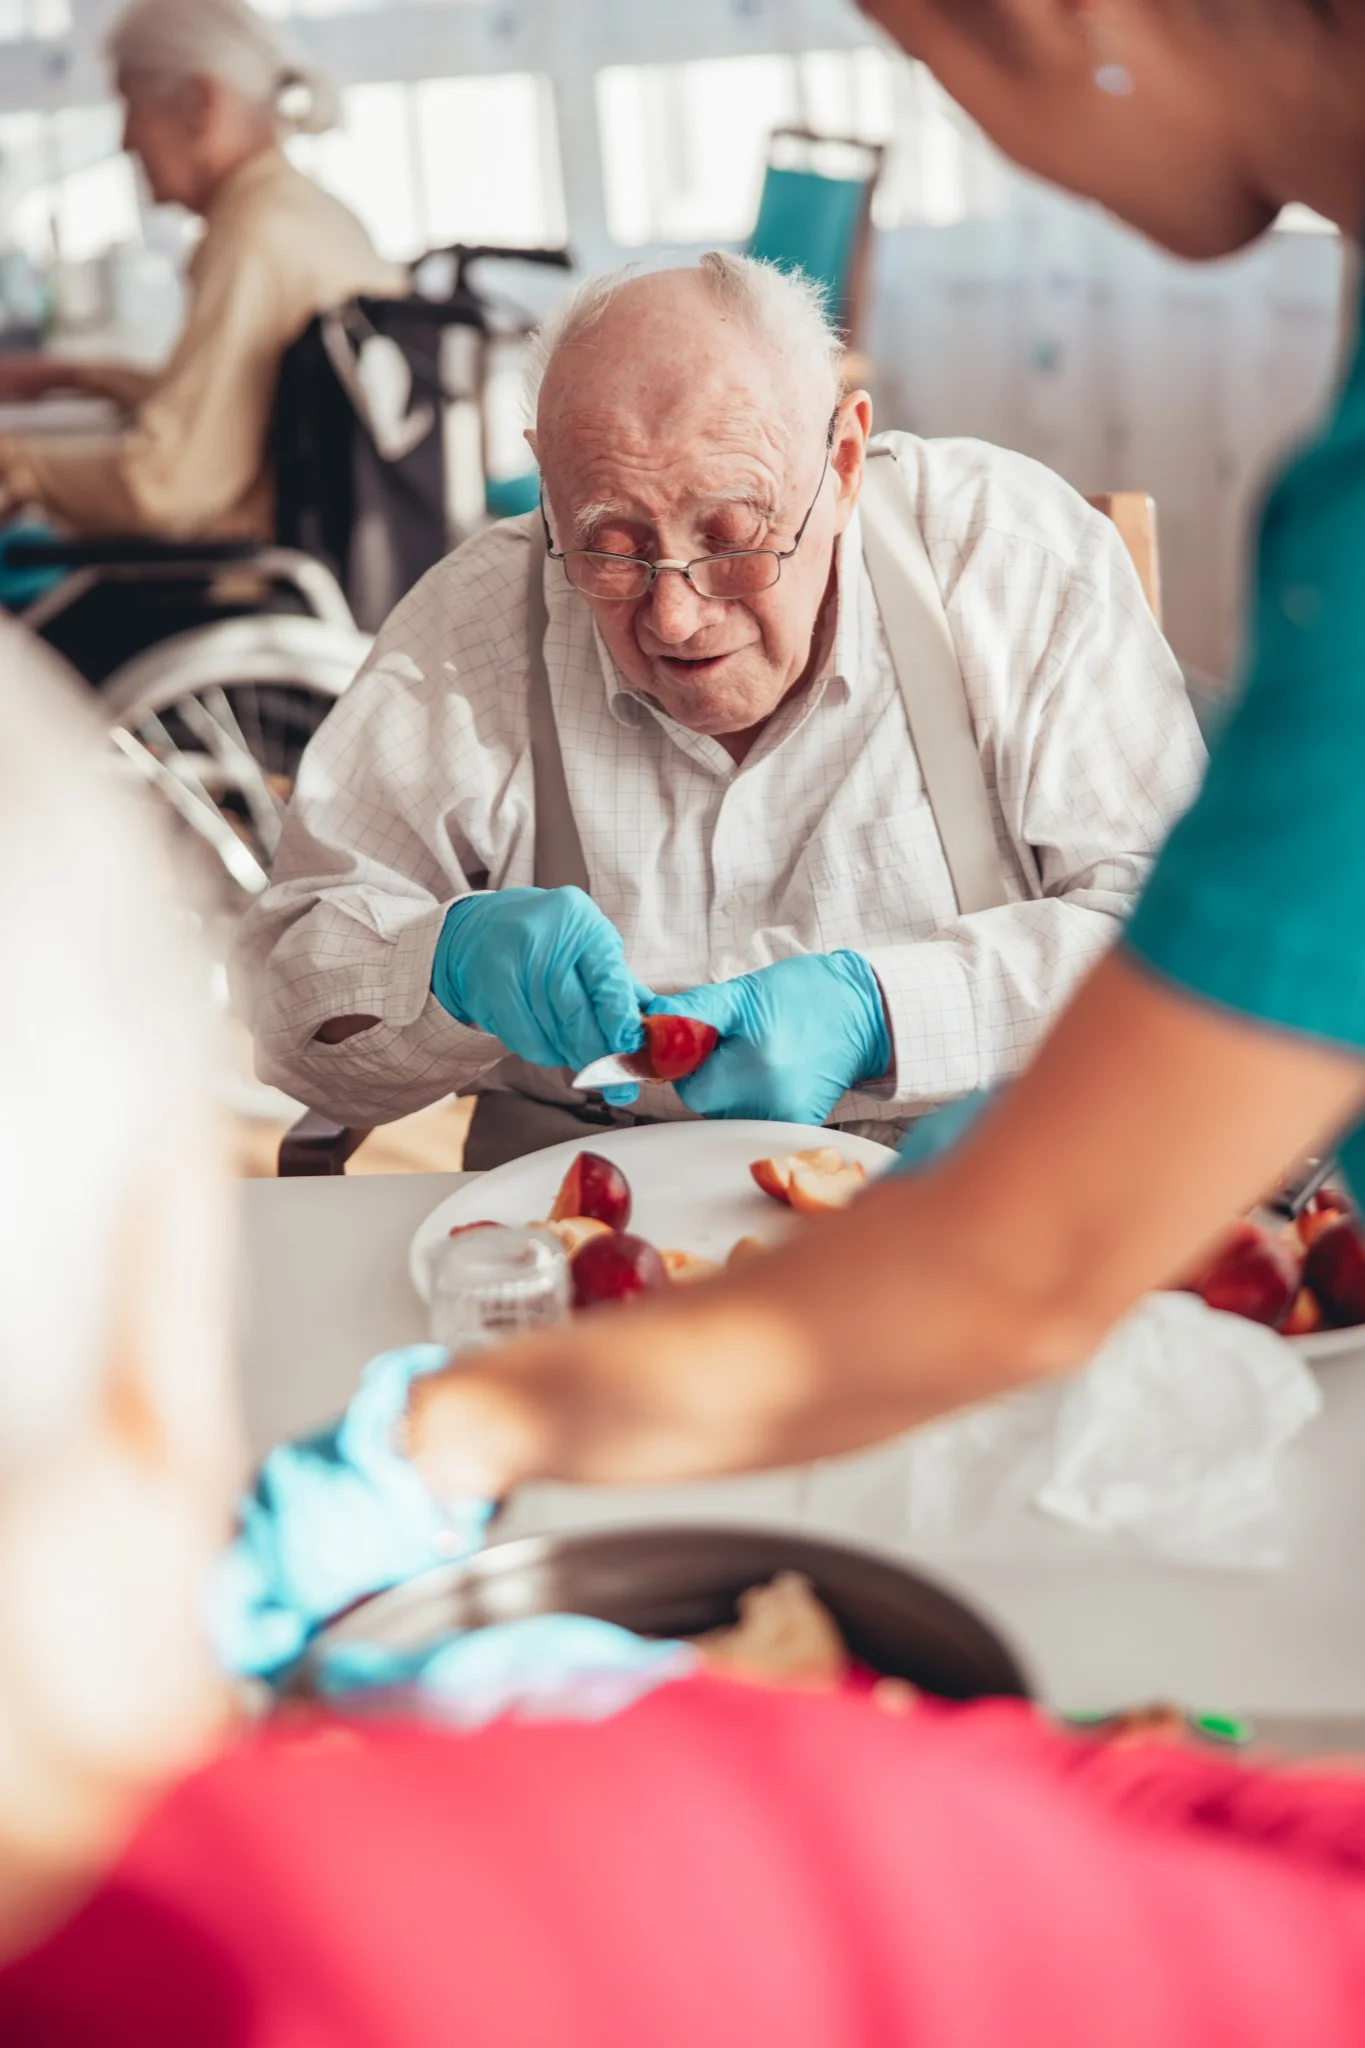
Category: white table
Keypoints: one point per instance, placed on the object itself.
(324, 1286)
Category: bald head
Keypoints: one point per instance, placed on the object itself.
(692, 413)
(676, 343)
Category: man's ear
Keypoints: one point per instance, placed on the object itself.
(848, 451)
(532, 443)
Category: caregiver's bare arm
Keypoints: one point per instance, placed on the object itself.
(1147, 1122)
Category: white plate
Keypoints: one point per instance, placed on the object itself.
(1329, 1343)
(690, 1182)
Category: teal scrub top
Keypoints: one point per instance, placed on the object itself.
(1257, 901)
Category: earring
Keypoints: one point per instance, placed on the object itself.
(1112, 75)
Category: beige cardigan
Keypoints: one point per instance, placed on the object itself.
(194, 461)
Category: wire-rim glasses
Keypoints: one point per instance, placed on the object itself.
(624, 579)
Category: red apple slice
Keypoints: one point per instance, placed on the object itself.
(459, 1229)
(615, 1267)
(1335, 1270)
(1253, 1273)
(814, 1189)
(594, 1186)
(674, 1047)
(1305, 1316)
(745, 1248)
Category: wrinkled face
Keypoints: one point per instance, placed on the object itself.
(669, 454)
(1178, 157)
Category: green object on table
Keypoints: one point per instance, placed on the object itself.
(1223, 1728)
(1257, 901)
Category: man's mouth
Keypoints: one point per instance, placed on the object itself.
(692, 664)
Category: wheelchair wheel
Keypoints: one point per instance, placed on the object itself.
(216, 721)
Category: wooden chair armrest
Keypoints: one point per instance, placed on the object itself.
(316, 1145)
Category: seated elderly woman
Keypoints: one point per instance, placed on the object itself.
(720, 1862)
(209, 89)
(717, 727)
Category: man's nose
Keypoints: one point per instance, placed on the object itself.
(673, 609)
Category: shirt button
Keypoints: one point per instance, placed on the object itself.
(732, 907)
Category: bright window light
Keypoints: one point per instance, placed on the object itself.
(369, 162)
(488, 153)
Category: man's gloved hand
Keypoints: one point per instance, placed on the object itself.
(331, 1518)
(794, 1037)
(545, 972)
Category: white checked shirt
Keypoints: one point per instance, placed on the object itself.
(420, 782)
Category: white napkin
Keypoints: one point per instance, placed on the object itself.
(1170, 1440)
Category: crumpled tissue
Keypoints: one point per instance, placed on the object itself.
(1170, 1440)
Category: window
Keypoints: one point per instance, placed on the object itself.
(472, 159)
(69, 192)
(684, 145)
(46, 19)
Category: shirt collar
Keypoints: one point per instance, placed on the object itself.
(852, 593)
(257, 170)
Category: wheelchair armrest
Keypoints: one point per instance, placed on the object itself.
(132, 549)
(315, 1145)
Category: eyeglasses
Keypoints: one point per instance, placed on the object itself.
(623, 579)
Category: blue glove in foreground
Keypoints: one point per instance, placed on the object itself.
(331, 1518)
(940, 1131)
(565, 1666)
(794, 1037)
(545, 972)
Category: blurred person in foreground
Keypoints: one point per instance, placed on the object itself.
(210, 90)
(1225, 1035)
(721, 1862)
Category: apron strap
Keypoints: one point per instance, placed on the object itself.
(559, 858)
(930, 679)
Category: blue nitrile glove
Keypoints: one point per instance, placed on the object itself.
(939, 1132)
(566, 1666)
(331, 1518)
(794, 1037)
(545, 972)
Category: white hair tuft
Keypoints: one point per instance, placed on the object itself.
(782, 309)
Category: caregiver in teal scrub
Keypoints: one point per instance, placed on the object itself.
(1226, 1034)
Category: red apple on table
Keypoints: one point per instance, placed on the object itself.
(1335, 1270)
(674, 1047)
(615, 1267)
(594, 1186)
(1253, 1273)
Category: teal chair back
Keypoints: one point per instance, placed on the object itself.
(817, 221)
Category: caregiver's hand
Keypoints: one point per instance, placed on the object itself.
(332, 1517)
(794, 1037)
(545, 972)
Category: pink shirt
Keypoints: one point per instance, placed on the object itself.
(719, 1867)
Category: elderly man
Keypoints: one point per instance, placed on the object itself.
(722, 758)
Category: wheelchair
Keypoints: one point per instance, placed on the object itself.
(214, 662)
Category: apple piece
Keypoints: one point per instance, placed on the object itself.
(1335, 1199)
(745, 1248)
(684, 1267)
(594, 1186)
(1305, 1316)
(815, 1188)
(459, 1229)
(1252, 1274)
(773, 1175)
(573, 1232)
(674, 1047)
(1335, 1270)
(615, 1267)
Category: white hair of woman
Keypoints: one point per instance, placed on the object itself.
(118, 1441)
(783, 310)
(176, 40)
